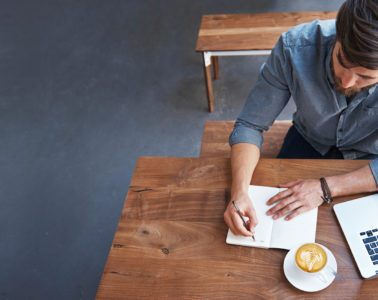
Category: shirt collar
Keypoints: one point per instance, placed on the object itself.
(328, 61)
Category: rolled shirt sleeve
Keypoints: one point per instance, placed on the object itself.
(374, 169)
(266, 100)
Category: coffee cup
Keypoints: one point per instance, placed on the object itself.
(311, 260)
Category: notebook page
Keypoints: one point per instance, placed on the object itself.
(300, 230)
(259, 195)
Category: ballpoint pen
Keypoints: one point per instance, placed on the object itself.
(241, 216)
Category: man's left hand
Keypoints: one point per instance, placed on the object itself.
(301, 195)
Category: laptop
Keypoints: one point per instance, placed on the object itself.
(359, 221)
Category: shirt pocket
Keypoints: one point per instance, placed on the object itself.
(371, 102)
(362, 122)
(372, 114)
(371, 109)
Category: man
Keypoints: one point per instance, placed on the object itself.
(331, 71)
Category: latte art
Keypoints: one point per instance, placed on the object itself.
(311, 258)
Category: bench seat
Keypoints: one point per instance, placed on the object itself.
(216, 133)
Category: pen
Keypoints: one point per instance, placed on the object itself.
(241, 216)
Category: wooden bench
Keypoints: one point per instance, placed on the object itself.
(244, 34)
(216, 133)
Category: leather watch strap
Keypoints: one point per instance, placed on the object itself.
(327, 197)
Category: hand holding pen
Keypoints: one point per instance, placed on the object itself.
(232, 217)
(241, 216)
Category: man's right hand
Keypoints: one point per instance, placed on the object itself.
(244, 158)
(234, 221)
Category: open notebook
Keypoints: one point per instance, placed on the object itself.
(279, 233)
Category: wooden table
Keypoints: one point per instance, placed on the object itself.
(245, 34)
(170, 240)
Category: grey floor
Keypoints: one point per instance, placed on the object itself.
(86, 87)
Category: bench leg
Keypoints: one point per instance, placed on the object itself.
(209, 84)
(214, 60)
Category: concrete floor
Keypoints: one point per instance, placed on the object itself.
(86, 87)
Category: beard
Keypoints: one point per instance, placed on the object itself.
(350, 91)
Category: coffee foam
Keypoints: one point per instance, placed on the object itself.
(311, 258)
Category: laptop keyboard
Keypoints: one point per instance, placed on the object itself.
(370, 239)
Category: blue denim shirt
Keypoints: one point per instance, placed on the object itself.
(300, 66)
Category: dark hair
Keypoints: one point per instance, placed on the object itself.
(357, 32)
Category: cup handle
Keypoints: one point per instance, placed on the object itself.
(330, 271)
(333, 272)
(322, 277)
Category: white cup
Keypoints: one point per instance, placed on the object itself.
(325, 272)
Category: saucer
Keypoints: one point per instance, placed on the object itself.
(308, 284)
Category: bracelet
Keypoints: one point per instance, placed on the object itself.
(327, 197)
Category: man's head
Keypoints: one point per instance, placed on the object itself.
(355, 54)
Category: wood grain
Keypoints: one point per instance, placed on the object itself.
(181, 172)
(216, 133)
(250, 31)
(179, 204)
(170, 240)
